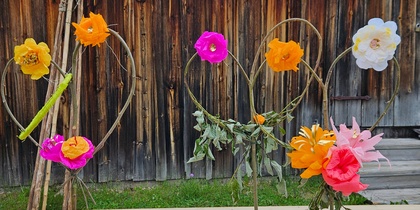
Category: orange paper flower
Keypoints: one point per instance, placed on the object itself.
(91, 31)
(283, 56)
(34, 59)
(74, 147)
(311, 147)
(259, 119)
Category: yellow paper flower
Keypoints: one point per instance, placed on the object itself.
(34, 59)
(74, 147)
(283, 56)
(310, 149)
(259, 119)
(91, 31)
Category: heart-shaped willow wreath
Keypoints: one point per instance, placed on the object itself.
(231, 131)
(25, 132)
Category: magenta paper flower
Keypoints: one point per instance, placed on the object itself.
(51, 148)
(341, 171)
(75, 152)
(211, 46)
(72, 153)
(360, 143)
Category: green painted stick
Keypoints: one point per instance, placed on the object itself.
(44, 110)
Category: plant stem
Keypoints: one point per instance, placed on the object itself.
(397, 87)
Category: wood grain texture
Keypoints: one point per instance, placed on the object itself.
(155, 138)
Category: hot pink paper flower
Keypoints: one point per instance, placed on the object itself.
(341, 170)
(51, 148)
(360, 143)
(75, 152)
(211, 46)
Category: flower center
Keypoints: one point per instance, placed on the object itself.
(374, 44)
(30, 58)
(212, 47)
(285, 57)
(90, 30)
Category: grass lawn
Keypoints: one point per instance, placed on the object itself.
(183, 193)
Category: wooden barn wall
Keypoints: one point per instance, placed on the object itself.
(156, 137)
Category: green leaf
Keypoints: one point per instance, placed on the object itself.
(248, 169)
(235, 191)
(277, 168)
(200, 156)
(230, 126)
(282, 131)
(256, 132)
(282, 188)
(197, 127)
(199, 116)
(268, 166)
(210, 154)
(289, 117)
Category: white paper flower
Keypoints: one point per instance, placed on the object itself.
(375, 44)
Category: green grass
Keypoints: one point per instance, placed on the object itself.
(184, 193)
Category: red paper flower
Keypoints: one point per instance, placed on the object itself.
(340, 171)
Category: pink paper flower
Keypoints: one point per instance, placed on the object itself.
(341, 170)
(51, 148)
(211, 46)
(72, 153)
(360, 143)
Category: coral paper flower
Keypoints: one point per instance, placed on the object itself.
(310, 149)
(341, 171)
(91, 31)
(34, 59)
(51, 148)
(360, 143)
(211, 46)
(75, 152)
(283, 56)
(259, 119)
(375, 44)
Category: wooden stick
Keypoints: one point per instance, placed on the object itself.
(67, 201)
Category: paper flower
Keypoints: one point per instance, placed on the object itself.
(310, 149)
(73, 153)
(259, 119)
(91, 31)
(51, 148)
(341, 170)
(375, 44)
(34, 59)
(360, 143)
(283, 56)
(212, 47)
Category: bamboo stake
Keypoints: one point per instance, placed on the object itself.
(56, 54)
(67, 204)
(35, 191)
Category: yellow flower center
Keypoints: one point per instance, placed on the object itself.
(30, 58)
(285, 57)
(374, 44)
(212, 47)
(355, 135)
(90, 30)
